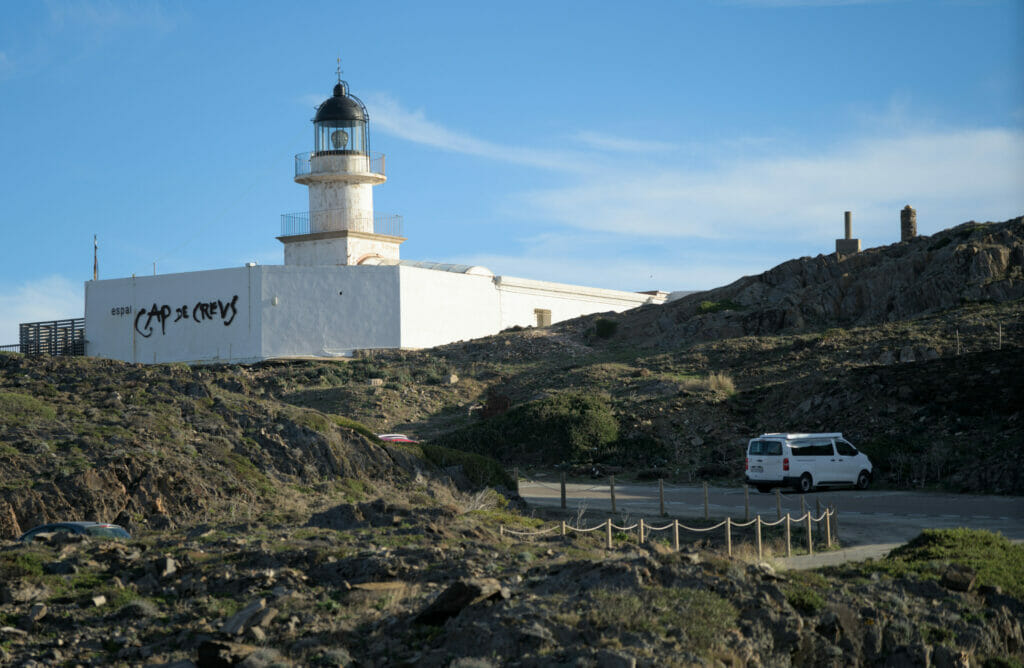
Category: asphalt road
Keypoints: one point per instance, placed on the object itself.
(870, 522)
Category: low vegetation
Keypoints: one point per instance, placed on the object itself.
(997, 561)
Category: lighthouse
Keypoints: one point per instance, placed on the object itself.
(342, 287)
(340, 227)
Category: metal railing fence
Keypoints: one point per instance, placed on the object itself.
(54, 337)
(360, 164)
(296, 224)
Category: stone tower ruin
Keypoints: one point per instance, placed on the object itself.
(908, 223)
(847, 245)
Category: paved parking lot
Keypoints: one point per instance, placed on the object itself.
(870, 517)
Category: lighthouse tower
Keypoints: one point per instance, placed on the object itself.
(340, 227)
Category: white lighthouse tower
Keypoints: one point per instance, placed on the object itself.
(340, 227)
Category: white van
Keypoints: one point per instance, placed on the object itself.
(805, 461)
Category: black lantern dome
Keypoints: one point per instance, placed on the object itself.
(341, 124)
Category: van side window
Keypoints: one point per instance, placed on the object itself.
(845, 449)
(813, 450)
(765, 448)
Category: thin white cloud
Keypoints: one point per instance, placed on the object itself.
(614, 143)
(392, 118)
(958, 174)
(107, 15)
(759, 189)
(622, 272)
(49, 298)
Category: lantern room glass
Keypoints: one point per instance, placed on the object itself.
(341, 137)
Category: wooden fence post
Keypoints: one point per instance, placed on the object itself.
(828, 530)
(641, 531)
(675, 534)
(746, 503)
(563, 489)
(728, 536)
(563, 528)
(501, 530)
(611, 478)
(661, 494)
(778, 503)
(818, 514)
(609, 527)
(759, 549)
(810, 536)
(706, 500)
(789, 542)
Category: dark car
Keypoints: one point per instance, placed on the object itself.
(93, 529)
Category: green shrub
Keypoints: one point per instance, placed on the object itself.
(993, 557)
(19, 409)
(358, 427)
(605, 328)
(481, 471)
(715, 307)
(700, 617)
(571, 426)
(803, 591)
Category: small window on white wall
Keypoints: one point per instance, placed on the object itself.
(543, 316)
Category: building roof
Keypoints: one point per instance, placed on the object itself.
(454, 268)
(341, 106)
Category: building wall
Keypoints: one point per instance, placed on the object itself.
(520, 297)
(339, 250)
(250, 313)
(203, 316)
(440, 307)
(328, 311)
(339, 204)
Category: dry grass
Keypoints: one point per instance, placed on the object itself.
(715, 382)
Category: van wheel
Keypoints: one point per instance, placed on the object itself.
(764, 489)
(863, 480)
(804, 484)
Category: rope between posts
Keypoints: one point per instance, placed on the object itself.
(599, 526)
(717, 526)
(629, 528)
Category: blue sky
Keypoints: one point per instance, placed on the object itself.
(671, 145)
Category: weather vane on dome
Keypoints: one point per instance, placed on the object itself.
(339, 69)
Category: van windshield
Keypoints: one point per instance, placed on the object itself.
(759, 447)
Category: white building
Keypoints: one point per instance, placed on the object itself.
(342, 287)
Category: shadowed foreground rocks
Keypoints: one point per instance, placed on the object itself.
(253, 595)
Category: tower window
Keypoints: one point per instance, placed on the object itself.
(543, 316)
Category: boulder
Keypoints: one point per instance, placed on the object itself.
(456, 597)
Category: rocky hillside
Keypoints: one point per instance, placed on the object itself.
(970, 263)
(436, 586)
(160, 445)
(271, 527)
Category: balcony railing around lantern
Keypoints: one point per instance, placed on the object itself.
(372, 164)
(296, 224)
